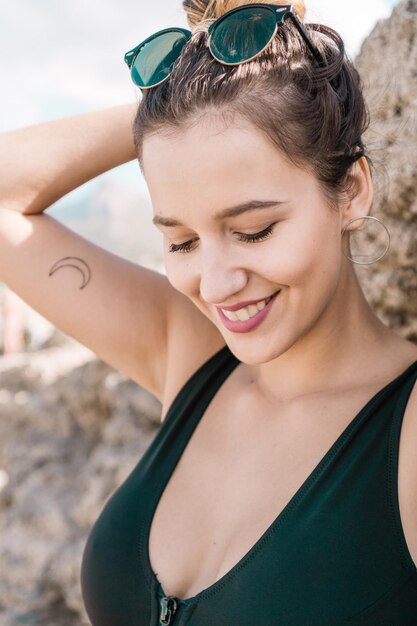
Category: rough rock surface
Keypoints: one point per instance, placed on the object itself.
(71, 428)
(388, 65)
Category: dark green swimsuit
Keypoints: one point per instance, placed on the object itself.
(335, 555)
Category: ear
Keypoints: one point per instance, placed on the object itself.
(360, 201)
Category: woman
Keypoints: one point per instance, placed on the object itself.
(270, 494)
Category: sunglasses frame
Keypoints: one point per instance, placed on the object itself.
(130, 56)
(281, 13)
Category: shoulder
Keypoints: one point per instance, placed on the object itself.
(410, 415)
(407, 470)
(408, 439)
(411, 409)
(400, 356)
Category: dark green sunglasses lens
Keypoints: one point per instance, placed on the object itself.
(242, 35)
(156, 59)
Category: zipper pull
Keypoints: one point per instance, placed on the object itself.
(168, 608)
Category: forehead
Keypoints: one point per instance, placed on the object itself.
(214, 164)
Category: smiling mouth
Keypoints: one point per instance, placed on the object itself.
(246, 313)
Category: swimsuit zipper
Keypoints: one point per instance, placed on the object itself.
(168, 609)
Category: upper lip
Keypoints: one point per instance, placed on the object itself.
(242, 305)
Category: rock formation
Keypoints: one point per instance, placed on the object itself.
(71, 430)
(388, 65)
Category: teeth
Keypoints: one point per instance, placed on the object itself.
(245, 314)
(231, 315)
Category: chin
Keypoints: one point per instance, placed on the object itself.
(256, 352)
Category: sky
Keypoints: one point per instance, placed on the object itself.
(61, 58)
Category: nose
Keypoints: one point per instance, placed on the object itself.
(221, 277)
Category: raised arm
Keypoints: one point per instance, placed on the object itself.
(41, 163)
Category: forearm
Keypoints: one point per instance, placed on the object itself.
(40, 164)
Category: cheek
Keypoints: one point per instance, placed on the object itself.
(303, 255)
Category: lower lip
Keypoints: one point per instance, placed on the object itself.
(248, 325)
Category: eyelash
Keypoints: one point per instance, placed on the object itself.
(247, 238)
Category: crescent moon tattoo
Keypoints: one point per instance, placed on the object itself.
(76, 263)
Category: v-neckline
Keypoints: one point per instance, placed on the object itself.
(280, 518)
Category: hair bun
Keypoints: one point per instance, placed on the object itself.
(199, 10)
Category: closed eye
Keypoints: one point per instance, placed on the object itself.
(254, 237)
(188, 246)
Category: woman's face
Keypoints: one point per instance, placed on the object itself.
(222, 252)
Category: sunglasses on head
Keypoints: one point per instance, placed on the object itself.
(236, 37)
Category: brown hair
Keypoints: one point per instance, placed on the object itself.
(200, 10)
(314, 114)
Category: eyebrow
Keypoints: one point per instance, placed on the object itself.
(233, 211)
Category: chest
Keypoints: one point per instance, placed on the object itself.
(240, 469)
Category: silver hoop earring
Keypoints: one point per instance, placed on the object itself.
(360, 229)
